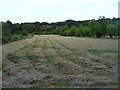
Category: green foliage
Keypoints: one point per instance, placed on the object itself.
(73, 30)
(13, 37)
(79, 31)
(86, 31)
(93, 27)
(98, 30)
(29, 28)
(67, 33)
(5, 39)
(62, 30)
(112, 30)
(90, 28)
(103, 25)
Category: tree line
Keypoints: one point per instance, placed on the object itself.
(103, 27)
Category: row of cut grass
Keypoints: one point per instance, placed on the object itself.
(31, 55)
(70, 56)
(81, 62)
(13, 57)
(108, 64)
(60, 66)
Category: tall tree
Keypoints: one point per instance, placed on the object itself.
(79, 31)
(92, 25)
(103, 25)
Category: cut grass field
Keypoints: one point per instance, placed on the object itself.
(57, 61)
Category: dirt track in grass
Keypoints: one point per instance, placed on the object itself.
(57, 61)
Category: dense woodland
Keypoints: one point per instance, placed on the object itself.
(103, 27)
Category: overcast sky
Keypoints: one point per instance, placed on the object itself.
(18, 11)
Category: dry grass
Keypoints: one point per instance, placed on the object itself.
(57, 61)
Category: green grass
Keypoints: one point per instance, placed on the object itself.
(115, 58)
(72, 59)
(13, 58)
(33, 58)
(60, 64)
(94, 51)
(36, 43)
(33, 46)
(107, 64)
(96, 60)
(30, 55)
(62, 44)
(44, 70)
(46, 45)
(102, 62)
(50, 59)
(100, 71)
(86, 65)
(59, 83)
(109, 51)
(30, 45)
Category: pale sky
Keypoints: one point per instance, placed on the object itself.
(18, 11)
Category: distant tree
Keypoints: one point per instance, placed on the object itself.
(28, 28)
(37, 25)
(112, 30)
(67, 33)
(16, 28)
(44, 23)
(6, 30)
(79, 31)
(102, 26)
(89, 28)
(98, 30)
(92, 25)
(62, 29)
(73, 30)
(9, 23)
(86, 31)
(70, 23)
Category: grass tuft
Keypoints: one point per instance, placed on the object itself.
(33, 58)
(110, 51)
(13, 58)
(60, 64)
(94, 51)
(96, 60)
